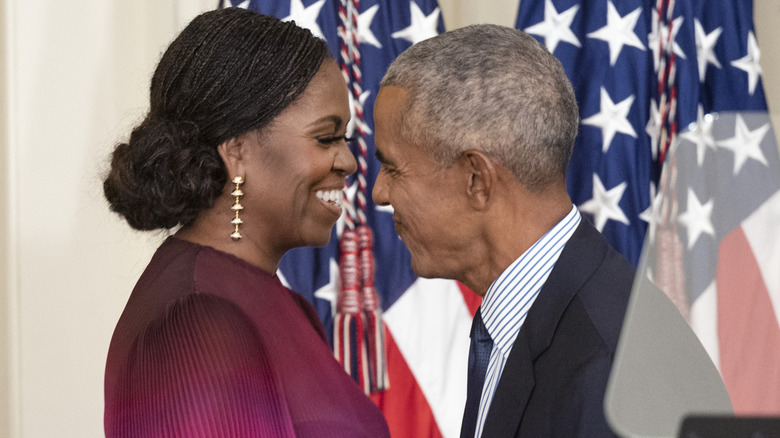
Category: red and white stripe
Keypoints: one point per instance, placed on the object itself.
(737, 318)
(427, 354)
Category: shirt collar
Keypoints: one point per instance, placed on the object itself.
(511, 295)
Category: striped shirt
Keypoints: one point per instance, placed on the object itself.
(511, 295)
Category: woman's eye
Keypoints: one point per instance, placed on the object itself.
(331, 140)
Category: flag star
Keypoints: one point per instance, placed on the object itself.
(354, 120)
(619, 32)
(243, 5)
(604, 204)
(422, 27)
(652, 214)
(745, 144)
(750, 62)
(700, 134)
(653, 128)
(388, 209)
(556, 27)
(697, 218)
(705, 48)
(306, 16)
(660, 36)
(611, 118)
(364, 34)
(330, 291)
(385, 208)
(647, 214)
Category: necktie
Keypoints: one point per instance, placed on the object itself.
(479, 356)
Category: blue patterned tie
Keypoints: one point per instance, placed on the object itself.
(479, 356)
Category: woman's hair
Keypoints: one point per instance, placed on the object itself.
(230, 71)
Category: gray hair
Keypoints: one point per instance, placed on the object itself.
(490, 88)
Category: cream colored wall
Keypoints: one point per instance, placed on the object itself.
(5, 246)
(74, 78)
(767, 14)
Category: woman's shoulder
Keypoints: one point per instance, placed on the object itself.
(215, 316)
(204, 334)
(207, 272)
(202, 364)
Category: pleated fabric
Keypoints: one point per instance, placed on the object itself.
(210, 346)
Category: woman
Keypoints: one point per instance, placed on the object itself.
(244, 150)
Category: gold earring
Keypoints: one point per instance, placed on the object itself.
(237, 207)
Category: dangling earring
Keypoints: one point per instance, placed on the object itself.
(237, 207)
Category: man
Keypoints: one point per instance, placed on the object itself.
(474, 131)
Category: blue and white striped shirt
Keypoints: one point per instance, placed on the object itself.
(510, 296)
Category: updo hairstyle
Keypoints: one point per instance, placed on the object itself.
(228, 72)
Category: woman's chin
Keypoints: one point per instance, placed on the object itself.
(321, 239)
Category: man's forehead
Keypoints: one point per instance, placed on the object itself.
(388, 109)
(390, 99)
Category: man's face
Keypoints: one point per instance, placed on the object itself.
(429, 202)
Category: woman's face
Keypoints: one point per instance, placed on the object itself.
(296, 170)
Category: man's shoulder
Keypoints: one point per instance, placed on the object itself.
(601, 299)
(605, 296)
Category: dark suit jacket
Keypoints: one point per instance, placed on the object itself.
(554, 380)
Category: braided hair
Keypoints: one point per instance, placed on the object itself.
(228, 72)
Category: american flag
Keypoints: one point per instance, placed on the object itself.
(426, 321)
(675, 139)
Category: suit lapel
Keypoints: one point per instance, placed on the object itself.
(583, 253)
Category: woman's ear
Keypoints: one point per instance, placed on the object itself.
(232, 153)
(482, 178)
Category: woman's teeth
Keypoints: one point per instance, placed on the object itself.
(333, 196)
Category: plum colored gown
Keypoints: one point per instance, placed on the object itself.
(209, 345)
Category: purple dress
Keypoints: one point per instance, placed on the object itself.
(209, 345)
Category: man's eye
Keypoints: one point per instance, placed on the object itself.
(389, 171)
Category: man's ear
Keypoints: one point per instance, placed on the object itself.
(232, 153)
(483, 177)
